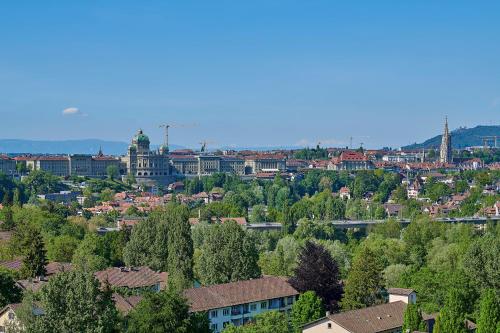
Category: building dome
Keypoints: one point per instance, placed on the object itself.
(140, 137)
(163, 149)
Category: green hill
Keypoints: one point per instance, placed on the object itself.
(460, 138)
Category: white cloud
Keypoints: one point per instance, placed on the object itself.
(72, 111)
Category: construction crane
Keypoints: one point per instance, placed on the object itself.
(165, 140)
(173, 125)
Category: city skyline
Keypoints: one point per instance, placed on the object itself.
(256, 74)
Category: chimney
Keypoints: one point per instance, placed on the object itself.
(327, 313)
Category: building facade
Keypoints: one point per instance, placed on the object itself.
(73, 165)
(383, 318)
(239, 302)
(350, 160)
(265, 163)
(445, 154)
(7, 165)
(147, 166)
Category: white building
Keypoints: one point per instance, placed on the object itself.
(238, 302)
(374, 319)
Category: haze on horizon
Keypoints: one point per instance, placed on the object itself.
(259, 73)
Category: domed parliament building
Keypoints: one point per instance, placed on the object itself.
(147, 166)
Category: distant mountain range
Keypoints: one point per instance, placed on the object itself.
(460, 138)
(84, 146)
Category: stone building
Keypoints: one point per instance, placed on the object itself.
(147, 166)
(232, 164)
(265, 163)
(184, 164)
(56, 165)
(7, 165)
(350, 160)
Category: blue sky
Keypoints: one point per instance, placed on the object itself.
(248, 73)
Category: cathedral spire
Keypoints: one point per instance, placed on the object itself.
(445, 155)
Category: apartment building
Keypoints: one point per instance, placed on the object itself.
(7, 165)
(239, 302)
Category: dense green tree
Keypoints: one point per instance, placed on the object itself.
(130, 179)
(489, 312)
(452, 315)
(180, 249)
(9, 292)
(107, 194)
(390, 229)
(73, 302)
(61, 248)
(314, 229)
(86, 257)
(17, 198)
(271, 321)
(7, 216)
(147, 245)
(317, 271)
(283, 260)
(112, 172)
(418, 235)
(228, 254)
(308, 307)
(364, 281)
(165, 311)
(41, 182)
(412, 319)
(482, 262)
(258, 214)
(35, 259)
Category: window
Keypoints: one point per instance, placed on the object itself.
(289, 300)
(263, 305)
(12, 316)
(213, 314)
(226, 312)
(329, 325)
(213, 327)
(253, 307)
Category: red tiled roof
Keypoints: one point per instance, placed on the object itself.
(373, 319)
(349, 155)
(126, 304)
(241, 292)
(134, 277)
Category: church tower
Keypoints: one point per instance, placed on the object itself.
(445, 155)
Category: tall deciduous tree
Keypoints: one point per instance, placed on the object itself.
(73, 302)
(308, 307)
(272, 321)
(180, 249)
(148, 243)
(364, 281)
(318, 271)
(35, 259)
(489, 312)
(452, 315)
(228, 254)
(9, 292)
(165, 311)
(412, 319)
